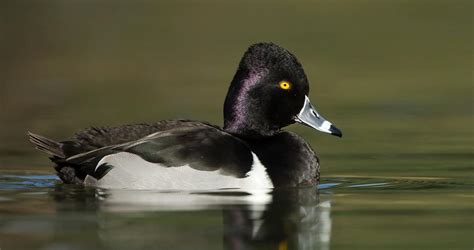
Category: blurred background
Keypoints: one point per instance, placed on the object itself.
(394, 76)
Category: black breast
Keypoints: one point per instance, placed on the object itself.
(289, 160)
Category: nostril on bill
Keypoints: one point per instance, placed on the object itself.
(315, 114)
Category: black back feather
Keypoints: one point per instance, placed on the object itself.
(171, 143)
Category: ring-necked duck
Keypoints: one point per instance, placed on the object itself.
(268, 92)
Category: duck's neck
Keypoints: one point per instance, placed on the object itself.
(240, 118)
(248, 126)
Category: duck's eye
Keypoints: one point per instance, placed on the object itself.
(285, 85)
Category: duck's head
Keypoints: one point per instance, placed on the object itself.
(270, 91)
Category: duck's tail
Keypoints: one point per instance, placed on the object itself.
(46, 145)
(66, 172)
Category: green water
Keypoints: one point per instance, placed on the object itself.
(345, 213)
(394, 76)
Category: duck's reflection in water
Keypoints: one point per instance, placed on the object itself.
(295, 219)
(282, 219)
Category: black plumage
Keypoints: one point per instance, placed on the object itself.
(290, 160)
(172, 143)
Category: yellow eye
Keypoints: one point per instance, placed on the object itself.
(285, 85)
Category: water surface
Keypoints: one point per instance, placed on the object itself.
(344, 212)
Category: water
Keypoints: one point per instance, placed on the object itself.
(394, 76)
(357, 213)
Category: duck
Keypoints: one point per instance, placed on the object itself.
(268, 92)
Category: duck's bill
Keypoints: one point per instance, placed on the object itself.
(310, 117)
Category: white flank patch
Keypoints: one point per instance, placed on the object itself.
(132, 172)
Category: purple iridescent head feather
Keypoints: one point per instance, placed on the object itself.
(254, 105)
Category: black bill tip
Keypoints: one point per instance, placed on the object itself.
(335, 131)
